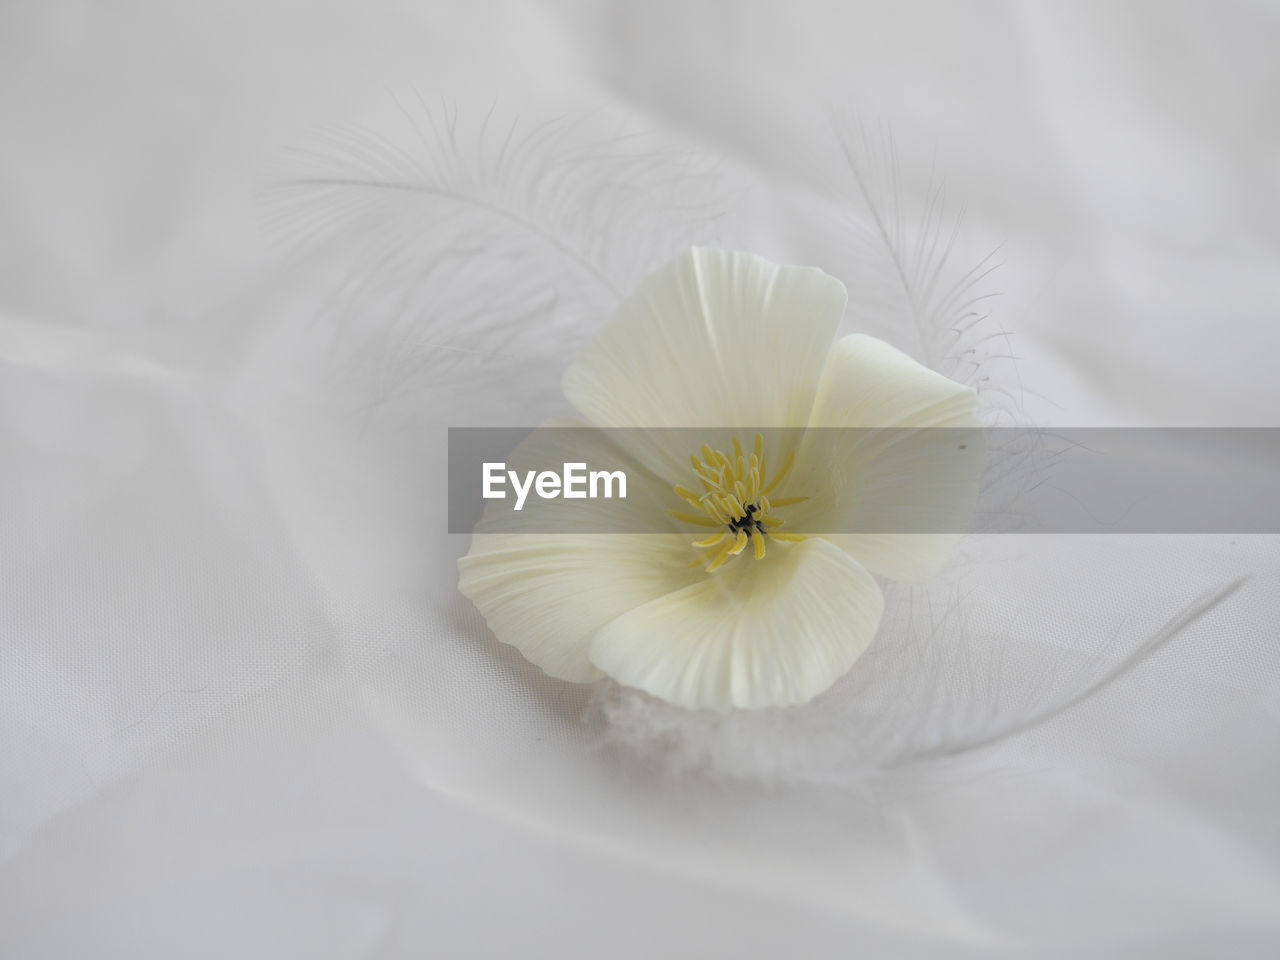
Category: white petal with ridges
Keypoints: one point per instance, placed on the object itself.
(759, 633)
(548, 594)
(912, 487)
(714, 338)
(868, 383)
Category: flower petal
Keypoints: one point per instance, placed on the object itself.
(867, 383)
(913, 476)
(714, 338)
(546, 578)
(547, 594)
(760, 633)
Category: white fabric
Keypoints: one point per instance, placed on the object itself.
(244, 711)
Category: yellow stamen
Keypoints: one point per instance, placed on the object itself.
(777, 478)
(735, 500)
(689, 495)
(720, 558)
(787, 501)
(695, 518)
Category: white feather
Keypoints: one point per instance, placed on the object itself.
(473, 253)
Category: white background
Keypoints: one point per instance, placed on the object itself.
(243, 711)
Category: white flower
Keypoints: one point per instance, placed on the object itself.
(741, 611)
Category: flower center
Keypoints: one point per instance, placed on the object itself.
(735, 498)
